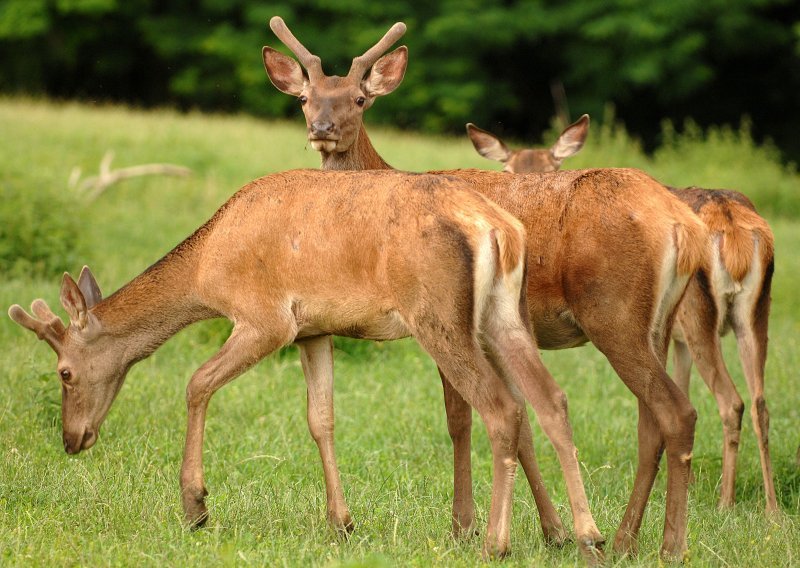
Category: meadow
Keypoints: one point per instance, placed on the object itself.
(119, 504)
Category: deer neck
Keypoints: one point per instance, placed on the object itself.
(154, 306)
(360, 156)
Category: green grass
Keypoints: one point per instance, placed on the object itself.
(119, 504)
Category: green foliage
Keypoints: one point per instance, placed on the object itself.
(490, 62)
(22, 19)
(38, 230)
(723, 157)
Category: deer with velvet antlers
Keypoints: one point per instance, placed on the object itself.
(298, 256)
(609, 252)
(731, 290)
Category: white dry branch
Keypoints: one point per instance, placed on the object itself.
(93, 186)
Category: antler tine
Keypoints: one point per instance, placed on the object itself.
(311, 62)
(364, 62)
(42, 311)
(41, 329)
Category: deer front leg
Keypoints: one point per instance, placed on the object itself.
(316, 356)
(242, 350)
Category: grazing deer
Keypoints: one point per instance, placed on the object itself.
(527, 160)
(298, 256)
(731, 290)
(609, 251)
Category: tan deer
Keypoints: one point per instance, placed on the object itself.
(610, 252)
(730, 291)
(297, 256)
(527, 160)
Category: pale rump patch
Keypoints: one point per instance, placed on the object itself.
(485, 263)
(749, 288)
(723, 283)
(670, 288)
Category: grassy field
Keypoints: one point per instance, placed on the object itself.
(118, 504)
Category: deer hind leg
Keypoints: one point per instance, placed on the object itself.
(682, 370)
(316, 356)
(514, 352)
(243, 349)
(552, 528)
(461, 360)
(459, 424)
(698, 318)
(666, 422)
(750, 321)
(651, 447)
(682, 363)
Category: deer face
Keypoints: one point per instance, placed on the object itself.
(334, 106)
(525, 161)
(90, 371)
(334, 110)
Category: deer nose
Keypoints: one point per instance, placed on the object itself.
(322, 128)
(72, 442)
(75, 442)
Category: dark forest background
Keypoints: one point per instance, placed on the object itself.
(492, 62)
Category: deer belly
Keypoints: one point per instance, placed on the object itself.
(348, 319)
(557, 331)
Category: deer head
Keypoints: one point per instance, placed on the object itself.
(334, 106)
(531, 160)
(88, 369)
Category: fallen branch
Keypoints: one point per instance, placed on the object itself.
(93, 186)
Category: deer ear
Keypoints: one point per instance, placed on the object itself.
(571, 140)
(284, 72)
(487, 144)
(387, 73)
(73, 301)
(89, 288)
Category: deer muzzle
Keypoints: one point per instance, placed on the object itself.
(74, 442)
(323, 135)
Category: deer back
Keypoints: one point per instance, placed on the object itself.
(615, 225)
(324, 244)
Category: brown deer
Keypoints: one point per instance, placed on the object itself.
(610, 252)
(297, 256)
(730, 291)
(527, 160)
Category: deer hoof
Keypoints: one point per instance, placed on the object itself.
(495, 551)
(591, 548)
(464, 529)
(343, 526)
(556, 536)
(195, 511)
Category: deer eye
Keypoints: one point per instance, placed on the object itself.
(360, 101)
(65, 375)
(303, 99)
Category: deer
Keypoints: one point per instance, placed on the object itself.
(730, 291)
(609, 251)
(295, 257)
(526, 160)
